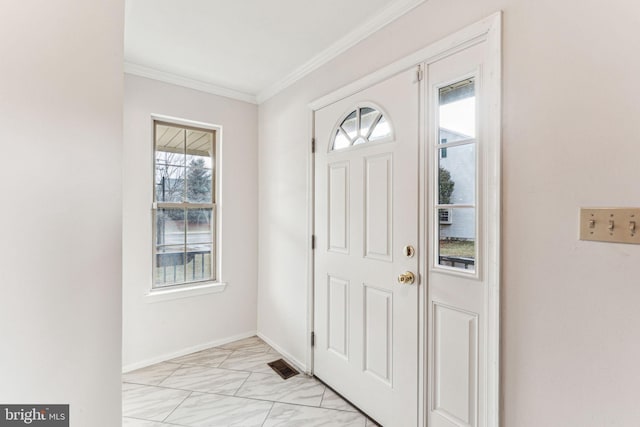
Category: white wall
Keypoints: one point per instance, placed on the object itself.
(155, 331)
(570, 335)
(60, 245)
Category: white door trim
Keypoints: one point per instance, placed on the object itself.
(487, 30)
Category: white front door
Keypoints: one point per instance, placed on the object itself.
(366, 223)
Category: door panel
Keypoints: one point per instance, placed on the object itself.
(378, 332)
(378, 207)
(455, 350)
(366, 211)
(338, 315)
(339, 207)
(457, 290)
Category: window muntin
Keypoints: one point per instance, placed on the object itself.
(360, 126)
(455, 207)
(184, 215)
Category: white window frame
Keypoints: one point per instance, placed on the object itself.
(477, 203)
(199, 287)
(367, 142)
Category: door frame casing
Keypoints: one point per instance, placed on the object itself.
(489, 31)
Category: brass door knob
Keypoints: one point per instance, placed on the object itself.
(406, 278)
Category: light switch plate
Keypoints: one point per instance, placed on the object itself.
(616, 225)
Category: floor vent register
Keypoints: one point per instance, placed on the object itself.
(283, 369)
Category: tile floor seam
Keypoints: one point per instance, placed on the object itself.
(252, 353)
(285, 403)
(174, 409)
(195, 391)
(225, 395)
(249, 351)
(225, 359)
(243, 383)
(264, 400)
(246, 350)
(157, 420)
(238, 370)
(153, 421)
(166, 362)
(361, 414)
(159, 386)
(288, 392)
(311, 406)
(213, 367)
(224, 369)
(177, 369)
(242, 353)
(269, 413)
(204, 392)
(247, 397)
(322, 399)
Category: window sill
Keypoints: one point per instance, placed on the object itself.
(160, 295)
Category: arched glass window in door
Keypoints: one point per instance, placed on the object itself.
(361, 126)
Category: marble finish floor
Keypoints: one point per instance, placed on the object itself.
(231, 385)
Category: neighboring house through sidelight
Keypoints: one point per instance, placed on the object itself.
(459, 161)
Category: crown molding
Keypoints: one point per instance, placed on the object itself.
(385, 17)
(163, 76)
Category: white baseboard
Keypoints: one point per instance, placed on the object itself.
(298, 364)
(168, 356)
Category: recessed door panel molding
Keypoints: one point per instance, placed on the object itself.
(455, 364)
(378, 207)
(338, 316)
(338, 207)
(378, 333)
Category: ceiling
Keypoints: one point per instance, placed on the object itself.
(246, 49)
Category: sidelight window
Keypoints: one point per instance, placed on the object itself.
(456, 183)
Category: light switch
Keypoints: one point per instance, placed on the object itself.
(610, 225)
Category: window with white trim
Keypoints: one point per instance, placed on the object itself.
(457, 175)
(184, 214)
(363, 125)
